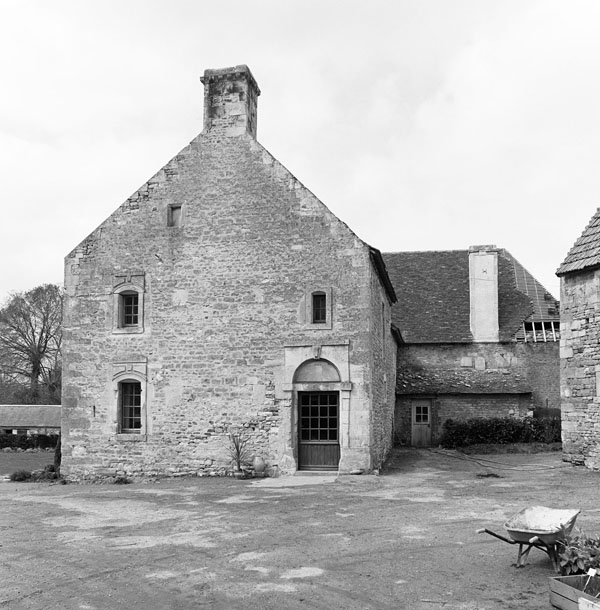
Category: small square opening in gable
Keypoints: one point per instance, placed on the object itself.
(174, 216)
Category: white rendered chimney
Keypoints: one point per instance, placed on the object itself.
(483, 290)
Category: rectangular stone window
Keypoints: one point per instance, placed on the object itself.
(129, 309)
(130, 407)
(174, 216)
(128, 303)
(319, 308)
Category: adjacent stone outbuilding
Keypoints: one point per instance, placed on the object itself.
(480, 339)
(580, 348)
(223, 296)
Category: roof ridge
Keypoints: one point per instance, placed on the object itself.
(423, 251)
(585, 252)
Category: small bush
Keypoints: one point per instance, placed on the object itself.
(577, 554)
(238, 451)
(47, 474)
(20, 476)
(500, 430)
(121, 481)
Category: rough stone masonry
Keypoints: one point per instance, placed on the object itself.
(209, 303)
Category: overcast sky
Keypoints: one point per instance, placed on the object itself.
(423, 124)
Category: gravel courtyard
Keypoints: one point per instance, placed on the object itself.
(405, 539)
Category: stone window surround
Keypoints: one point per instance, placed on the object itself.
(337, 354)
(174, 219)
(130, 371)
(128, 284)
(309, 293)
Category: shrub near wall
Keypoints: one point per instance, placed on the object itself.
(24, 441)
(499, 430)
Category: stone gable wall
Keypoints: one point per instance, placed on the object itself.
(579, 368)
(222, 294)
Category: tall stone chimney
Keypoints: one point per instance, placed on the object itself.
(230, 99)
(483, 290)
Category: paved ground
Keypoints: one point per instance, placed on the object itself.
(405, 539)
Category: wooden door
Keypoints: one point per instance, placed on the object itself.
(421, 423)
(318, 436)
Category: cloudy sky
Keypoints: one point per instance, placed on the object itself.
(423, 124)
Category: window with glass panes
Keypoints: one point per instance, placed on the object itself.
(421, 414)
(130, 396)
(318, 416)
(129, 309)
(319, 308)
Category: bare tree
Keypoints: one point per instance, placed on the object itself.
(30, 341)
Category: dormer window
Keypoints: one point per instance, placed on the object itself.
(319, 308)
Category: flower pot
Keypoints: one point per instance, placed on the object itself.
(258, 465)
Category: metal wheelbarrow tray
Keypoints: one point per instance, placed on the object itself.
(539, 527)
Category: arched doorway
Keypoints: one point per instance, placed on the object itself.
(317, 385)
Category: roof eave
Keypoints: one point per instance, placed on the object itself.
(379, 265)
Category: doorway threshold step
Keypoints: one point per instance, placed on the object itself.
(315, 473)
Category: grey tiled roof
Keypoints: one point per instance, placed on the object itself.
(450, 380)
(585, 253)
(433, 296)
(30, 416)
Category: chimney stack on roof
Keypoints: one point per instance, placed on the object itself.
(483, 291)
(230, 100)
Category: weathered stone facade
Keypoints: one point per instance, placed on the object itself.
(580, 367)
(222, 250)
(579, 348)
(464, 381)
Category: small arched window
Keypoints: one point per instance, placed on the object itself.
(128, 303)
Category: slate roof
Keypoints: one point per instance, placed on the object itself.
(585, 253)
(30, 416)
(412, 380)
(433, 296)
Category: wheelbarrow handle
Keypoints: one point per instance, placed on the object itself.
(534, 540)
(500, 537)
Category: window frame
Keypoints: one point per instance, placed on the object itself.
(124, 297)
(124, 287)
(309, 297)
(136, 395)
(130, 372)
(319, 309)
(175, 219)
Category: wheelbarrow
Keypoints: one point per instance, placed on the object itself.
(540, 527)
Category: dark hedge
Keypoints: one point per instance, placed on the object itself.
(24, 441)
(500, 430)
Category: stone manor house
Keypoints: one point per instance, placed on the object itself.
(223, 297)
